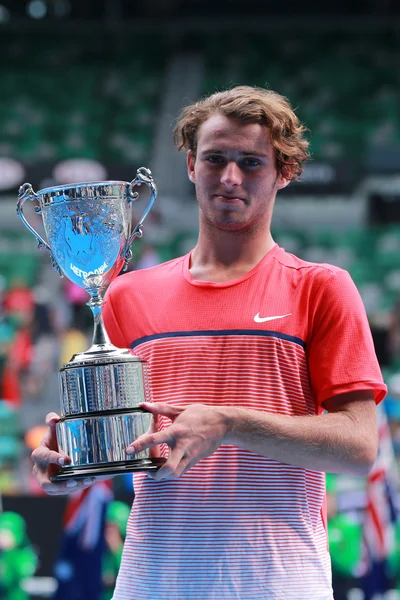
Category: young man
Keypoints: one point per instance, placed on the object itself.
(247, 346)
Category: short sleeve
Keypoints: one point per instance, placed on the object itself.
(111, 323)
(340, 351)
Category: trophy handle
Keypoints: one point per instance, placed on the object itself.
(143, 175)
(26, 193)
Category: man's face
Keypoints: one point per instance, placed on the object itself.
(235, 174)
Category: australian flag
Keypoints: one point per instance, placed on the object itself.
(380, 516)
(78, 567)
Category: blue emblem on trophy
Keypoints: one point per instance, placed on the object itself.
(89, 232)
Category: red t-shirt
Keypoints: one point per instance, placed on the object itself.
(283, 338)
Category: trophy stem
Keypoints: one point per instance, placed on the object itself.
(100, 336)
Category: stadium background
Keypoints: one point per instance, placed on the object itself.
(90, 91)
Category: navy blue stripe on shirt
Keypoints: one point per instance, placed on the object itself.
(218, 332)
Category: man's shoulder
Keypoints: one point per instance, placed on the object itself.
(143, 277)
(316, 280)
(307, 268)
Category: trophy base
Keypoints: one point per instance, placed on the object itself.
(109, 469)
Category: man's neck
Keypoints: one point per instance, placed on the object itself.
(228, 255)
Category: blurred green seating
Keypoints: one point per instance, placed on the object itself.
(98, 97)
(371, 255)
(87, 97)
(345, 86)
(19, 257)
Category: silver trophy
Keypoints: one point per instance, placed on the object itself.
(89, 232)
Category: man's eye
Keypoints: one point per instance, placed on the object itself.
(251, 162)
(214, 159)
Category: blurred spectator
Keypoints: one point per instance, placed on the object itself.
(19, 301)
(18, 359)
(15, 338)
(115, 531)
(392, 406)
(18, 560)
(394, 332)
(44, 351)
(75, 294)
(149, 257)
(77, 298)
(72, 341)
(7, 334)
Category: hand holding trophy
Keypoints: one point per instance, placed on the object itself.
(89, 232)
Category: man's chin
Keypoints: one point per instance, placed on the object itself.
(230, 224)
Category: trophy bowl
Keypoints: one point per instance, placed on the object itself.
(89, 232)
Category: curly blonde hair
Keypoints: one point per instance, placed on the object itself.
(249, 104)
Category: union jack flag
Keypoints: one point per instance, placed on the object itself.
(380, 515)
(78, 567)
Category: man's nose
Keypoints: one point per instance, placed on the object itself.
(232, 174)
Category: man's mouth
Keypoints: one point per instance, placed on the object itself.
(228, 198)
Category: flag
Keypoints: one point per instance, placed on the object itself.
(380, 516)
(78, 567)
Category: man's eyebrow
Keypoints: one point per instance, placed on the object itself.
(261, 154)
(216, 151)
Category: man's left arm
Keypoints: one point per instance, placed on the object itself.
(344, 440)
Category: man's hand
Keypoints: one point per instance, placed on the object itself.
(196, 432)
(48, 460)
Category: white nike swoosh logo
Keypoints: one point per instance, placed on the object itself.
(259, 319)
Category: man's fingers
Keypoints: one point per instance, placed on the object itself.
(60, 488)
(148, 440)
(172, 470)
(51, 419)
(43, 456)
(171, 466)
(183, 466)
(161, 408)
(50, 438)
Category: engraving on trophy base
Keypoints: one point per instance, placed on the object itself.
(92, 386)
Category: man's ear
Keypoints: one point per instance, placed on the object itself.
(282, 182)
(190, 166)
